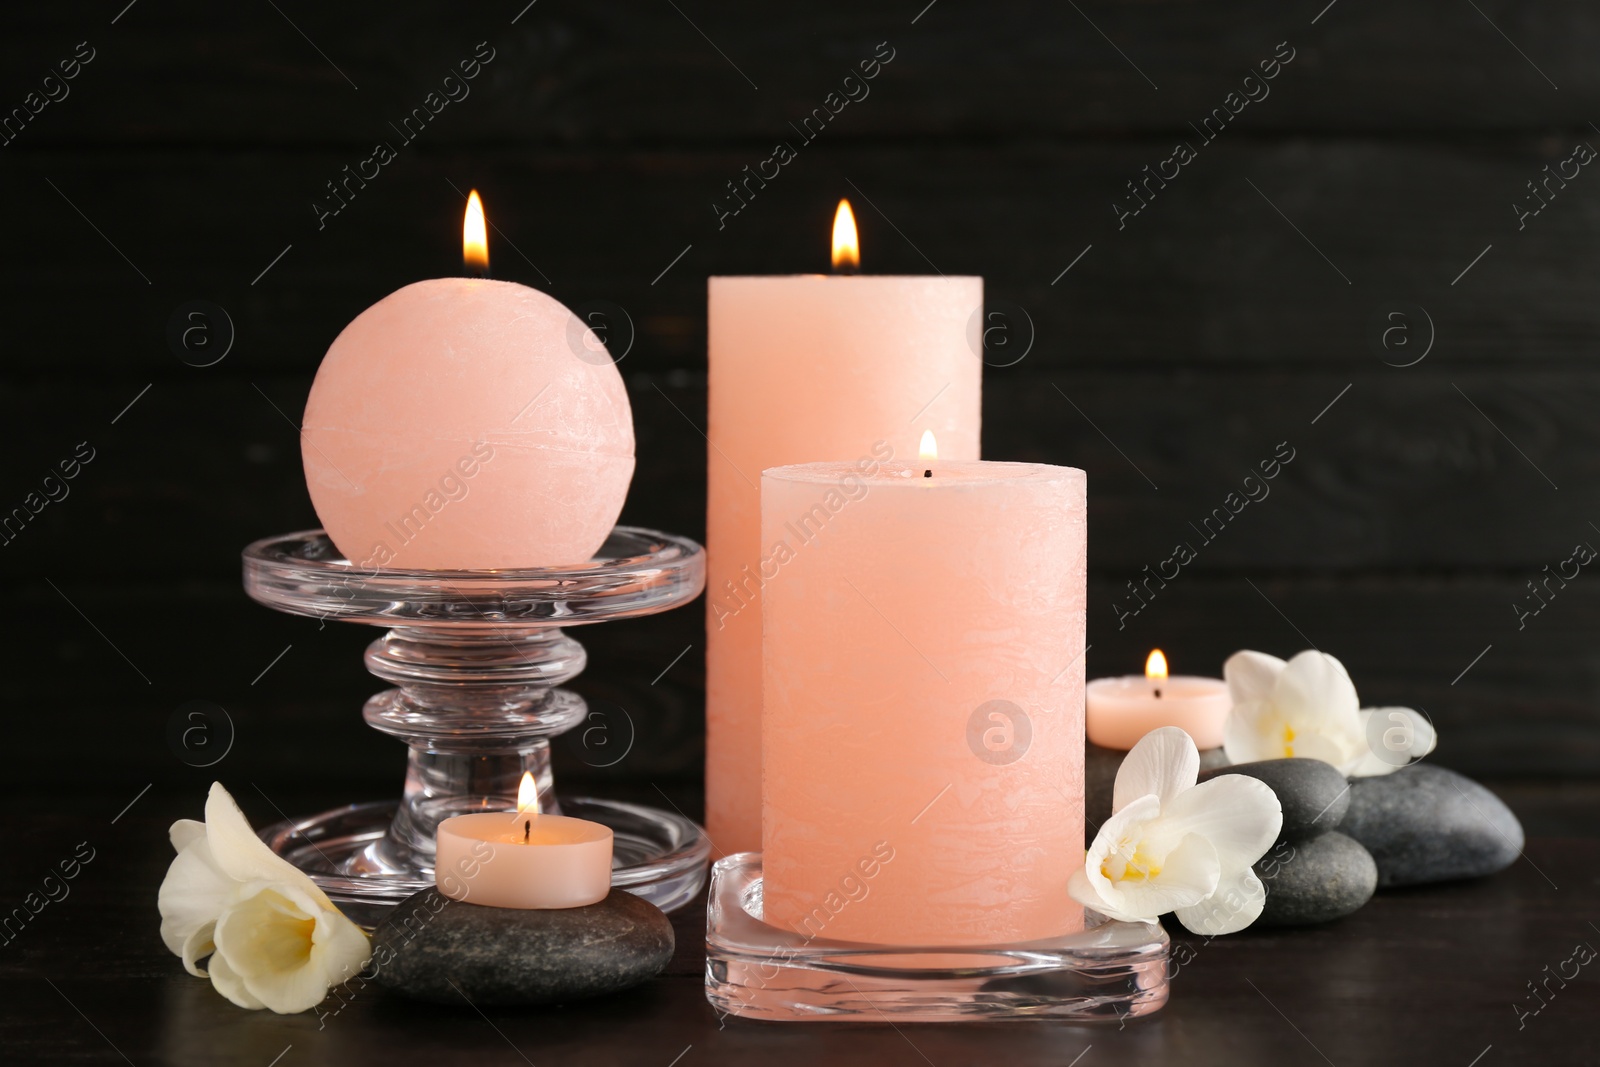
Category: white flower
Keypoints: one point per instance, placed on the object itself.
(275, 939)
(1308, 707)
(1171, 845)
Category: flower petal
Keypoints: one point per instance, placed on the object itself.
(185, 831)
(1315, 691)
(1188, 875)
(1240, 816)
(192, 895)
(267, 939)
(197, 946)
(339, 948)
(1236, 903)
(1340, 749)
(1164, 762)
(1251, 676)
(1249, 732)
(230, 985)
(1394, 737)
(1081, 889)
(1126, 824)
(243, 855)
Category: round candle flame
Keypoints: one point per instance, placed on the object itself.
(527, 795)
(1155, 668)
(475, 236)
(929, 448)
(846, 245)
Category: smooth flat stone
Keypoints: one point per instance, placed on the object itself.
(1315, 881)
(1100, 779)
(1314, 795)
(511, 956)
(1424, 823)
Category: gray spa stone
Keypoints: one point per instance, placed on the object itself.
(1315, 881)
(1314, 795)
(434, 948)
(1424, 823)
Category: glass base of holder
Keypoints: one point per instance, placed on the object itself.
(1108, 971)
(656, 855)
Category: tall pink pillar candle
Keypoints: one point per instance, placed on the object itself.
(923, 712)
(810, 367)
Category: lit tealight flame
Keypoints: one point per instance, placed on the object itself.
(846, 245)
(1155, 668)
(929, 449)
(475, 237)
(528, 795)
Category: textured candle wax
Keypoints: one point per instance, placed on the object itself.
(454, 426)
(810, 367)
(923, 712)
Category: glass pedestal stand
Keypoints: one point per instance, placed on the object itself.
(1109, 971)
(476, 657)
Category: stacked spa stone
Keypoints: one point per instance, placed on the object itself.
(448, 951)
(1343, 839)
(1313, 873)
(1424, 823)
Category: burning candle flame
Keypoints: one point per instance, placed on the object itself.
(527, 795)
(846, 245)
(1155, 668)
(929, 448)
(475, 237)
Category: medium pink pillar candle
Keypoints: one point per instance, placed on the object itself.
(507, 859)
(923, 715)
(1122, 710)
(802, 368)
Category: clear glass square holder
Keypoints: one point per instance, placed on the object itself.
(1108, 971)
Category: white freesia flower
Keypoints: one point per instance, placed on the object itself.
(1308, 707)
(1172, 845)
(275, 939)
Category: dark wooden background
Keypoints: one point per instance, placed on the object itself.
(1222, 320)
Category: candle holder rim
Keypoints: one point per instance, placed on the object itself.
(674, 552)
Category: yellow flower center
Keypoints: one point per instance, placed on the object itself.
(1123, 866)
(1288, 742)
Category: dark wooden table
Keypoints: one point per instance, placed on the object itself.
(1418, 977)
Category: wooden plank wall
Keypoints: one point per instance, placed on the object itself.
(1373, 182)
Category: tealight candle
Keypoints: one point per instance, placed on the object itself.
(523, 859)
(1122, 710)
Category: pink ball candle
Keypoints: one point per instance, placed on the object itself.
(923, 714)
(1122, 710)
(467, 424)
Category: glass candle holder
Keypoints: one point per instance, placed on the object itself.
(476, 658)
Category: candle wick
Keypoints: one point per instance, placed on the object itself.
(527, 828)
(927, 474)
(1158, 694)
